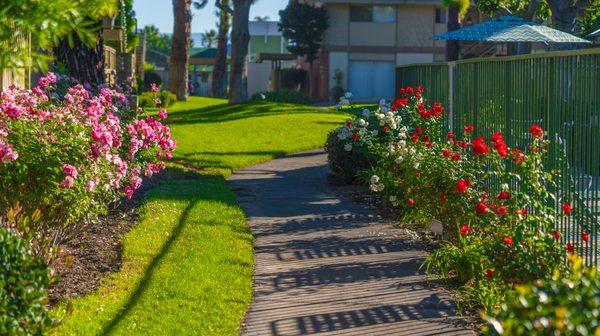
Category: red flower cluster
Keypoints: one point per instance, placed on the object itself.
(504, 195)
(450, 136)
(517, 156)
(464, 230)
(468, 129)
(479, 146)
(499, 144)
(434, 111)
(399, 103)
(462, 185)
(536, 131)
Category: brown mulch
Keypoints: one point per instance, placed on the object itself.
(97, 250)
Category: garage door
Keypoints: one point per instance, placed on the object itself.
(371, 80)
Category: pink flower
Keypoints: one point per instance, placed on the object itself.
(162, 115)
(7, 154)
(153, 87)
(69, 170)
(67, 183)
(91, 185)
(128, 192)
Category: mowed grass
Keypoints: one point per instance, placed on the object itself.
(187, 266)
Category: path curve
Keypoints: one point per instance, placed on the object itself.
(326, 265)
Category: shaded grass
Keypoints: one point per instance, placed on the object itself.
(187, 265)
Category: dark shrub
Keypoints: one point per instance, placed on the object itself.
(292, 78)
(151, 77)
(282, 96)
(23, 281)
(344, 165)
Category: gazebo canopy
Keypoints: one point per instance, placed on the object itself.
(509, 28)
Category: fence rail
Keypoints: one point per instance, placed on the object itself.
(558, 90)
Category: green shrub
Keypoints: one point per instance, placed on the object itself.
(344, 165)
(563, 305)
(282, 96)
(148, 99)
(23, 282)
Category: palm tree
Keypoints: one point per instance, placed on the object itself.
(219, 73)
(262, 18)
(456, 8)
(208, 38)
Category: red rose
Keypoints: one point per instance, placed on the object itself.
(402, 91)
(409, 90)
(410, 202)
(429, 144)
(504, 195)
(418, 130)
(508, 241)
(449, 136)
(355, 137)
(479, 146)
(443, 197)
(456, 156)
(536, 131)
(462, 185)
(415, 138)
(517, 156)
(570, 248)
(556, 235)
(464, 230)
(567, 208)
(502, 211)
(468, 129)
(446, 152)
(524, 212)
(425, 138)
(489, 273)
(496, 137)
(419, 89)
(481, 208)
(460, 144)
(585, 236)
(349, 123)
(385, 129)
(418, 174)
(501, 148)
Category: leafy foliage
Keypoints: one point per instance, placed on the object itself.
(162, 99)
(562, 305)
(23, 281)
(44, 23)
(304, 25)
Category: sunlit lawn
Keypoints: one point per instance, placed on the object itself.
(187, 265)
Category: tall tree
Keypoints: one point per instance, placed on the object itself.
(219, 88)
(240, 37)
(84, 62)
(566, 15)
(180, 49)
(456, 8)
(304, 26)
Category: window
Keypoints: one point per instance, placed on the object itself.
(440, 15)
(379, 14)
(384, 14)
(361, 13)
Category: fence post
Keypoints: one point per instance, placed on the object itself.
(507, 108)
(451, 66)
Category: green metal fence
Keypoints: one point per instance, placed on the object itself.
(559, 90)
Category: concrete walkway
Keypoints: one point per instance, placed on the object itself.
(327, 266)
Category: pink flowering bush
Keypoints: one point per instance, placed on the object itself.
(70, 154)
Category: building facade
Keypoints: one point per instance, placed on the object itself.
(366, 40)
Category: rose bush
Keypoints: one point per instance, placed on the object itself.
(70, 152)
(497, 204)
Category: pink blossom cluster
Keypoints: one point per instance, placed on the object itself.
(118, 153)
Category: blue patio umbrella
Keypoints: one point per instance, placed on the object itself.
(509, 28)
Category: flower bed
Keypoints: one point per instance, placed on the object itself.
(493, 204)
(69, 155)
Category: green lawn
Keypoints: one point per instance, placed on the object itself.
(187, 265)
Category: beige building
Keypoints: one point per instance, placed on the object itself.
(367, 39)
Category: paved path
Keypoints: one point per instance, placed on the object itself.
(327, 266)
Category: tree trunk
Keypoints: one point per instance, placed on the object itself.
(452, 47)
(240, 36)
(180, 49)
(219, 89)
(83, 63)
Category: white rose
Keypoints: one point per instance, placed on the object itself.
(375, 179)
(393, 198)
(416, 165)
(399, 160)
(361, 122)
(402, 143)
(348, 147)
